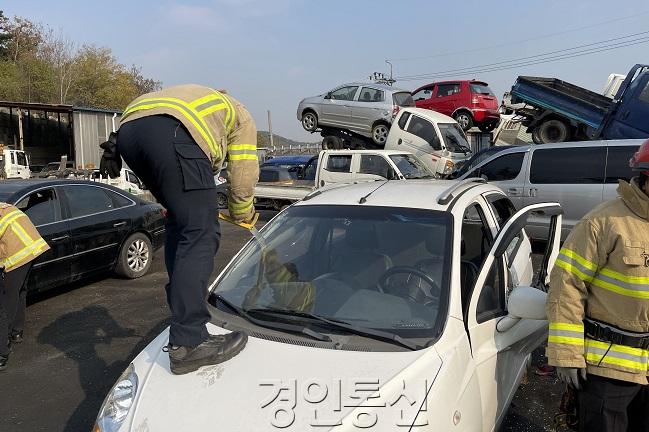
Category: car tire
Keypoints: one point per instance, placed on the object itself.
(221, 200)
(380, 134)
(464, 119)
(553, 131)
(135, 257)
(535, 136)
(331, 142)
(487, 127)
(309, 121)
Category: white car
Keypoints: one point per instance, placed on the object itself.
(410, 305)
(436, 139)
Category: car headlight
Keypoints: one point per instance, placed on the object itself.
(449, 166)
(118, 403)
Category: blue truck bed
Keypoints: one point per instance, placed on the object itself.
(574, 102)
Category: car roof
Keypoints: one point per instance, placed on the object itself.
(376, 86)
(420, 194)
(385, 152)
(574, 144)
(9, 188)
(431, 115)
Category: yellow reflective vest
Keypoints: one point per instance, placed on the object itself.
(602, 273)
(20, 242)
(220, 125)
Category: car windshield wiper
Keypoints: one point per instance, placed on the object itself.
(272, 324)
(342, 325)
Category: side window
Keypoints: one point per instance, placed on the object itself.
(583, 165)
(506, 167)
(310, 170)
(41, 207)
(447, 89)
(403, 120)
(13, 158)
(617, 163)
(475, 244)
(369, 94)
(345, 93)
(423, 94)
(503, 208)
(424, 130)
(119, 200)
(339, 163)
(268, 176)
(375, 164)
(87, 200)
(644, 94)
(492, 300)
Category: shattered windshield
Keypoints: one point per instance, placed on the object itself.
(411, 167)
(377, 267)
(454, 138)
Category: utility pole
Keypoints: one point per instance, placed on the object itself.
(20, 130)
(270, 131)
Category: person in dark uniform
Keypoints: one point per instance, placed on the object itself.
(20, 245)
(174, 140)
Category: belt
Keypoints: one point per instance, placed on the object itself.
(607, 333)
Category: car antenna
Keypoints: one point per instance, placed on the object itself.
(363, 199)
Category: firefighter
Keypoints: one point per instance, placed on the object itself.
(20, 245)
(598, 309)
(174, 139)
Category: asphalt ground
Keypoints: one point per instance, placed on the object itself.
(79, 339)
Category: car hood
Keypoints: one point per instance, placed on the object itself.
(271, 384)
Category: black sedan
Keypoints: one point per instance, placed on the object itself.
(91, 228)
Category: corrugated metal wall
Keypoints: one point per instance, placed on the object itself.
(90, 130)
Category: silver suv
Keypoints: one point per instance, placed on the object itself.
(366, 109)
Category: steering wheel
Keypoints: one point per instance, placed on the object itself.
(411, 271)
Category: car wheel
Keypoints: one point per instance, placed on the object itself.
(464, 119)
(221, 200)
(487, 127)
(331, 142)
(553, 131)
(535, 136)
(135, 256)
(309, 121)
(380, 134)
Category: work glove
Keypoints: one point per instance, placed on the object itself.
(570, 376)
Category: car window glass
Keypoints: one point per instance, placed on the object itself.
(475, 244)
(403, 120)
(505, 167)
(411, 167)
(268, 176)
(644, 94)
(492, 300)
(13, 158)
(403, 99)
(423, 94)
(481, 89)
(345, 93)
(119, 200)
(424, 130)
(447, 89)
(369, 94)
(339, 163)
(454, 137)
(568, 165)
(87, 200)
(617, 163)
(375, 164)
(310, 170)
(41, 207)
(21, 159)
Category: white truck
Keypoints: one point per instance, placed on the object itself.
(342, 166)
(14, 164)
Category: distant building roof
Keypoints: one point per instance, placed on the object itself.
(55, 107)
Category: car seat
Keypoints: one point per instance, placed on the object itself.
(359, 257)
(367, 97)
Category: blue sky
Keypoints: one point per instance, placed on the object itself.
(270, 54)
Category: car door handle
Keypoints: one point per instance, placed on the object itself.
(63, 237)
(119, 224)
(513, 191)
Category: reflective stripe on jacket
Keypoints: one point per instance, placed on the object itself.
(20, 242)
(602, 272)
(220, 125)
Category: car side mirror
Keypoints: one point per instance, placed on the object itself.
(328, 96)
(525, 302)
(392, 174)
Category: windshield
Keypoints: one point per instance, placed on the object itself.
(21, 159)
(403, 99)
(454, 137)
(481, 89)
(376, 267)
(411, 167)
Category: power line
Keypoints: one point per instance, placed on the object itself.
(522, 41)
(511, 64)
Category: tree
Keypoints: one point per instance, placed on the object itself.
(143, 85)
(60, 53)
(5, 37)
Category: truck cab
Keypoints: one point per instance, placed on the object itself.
(15, 164)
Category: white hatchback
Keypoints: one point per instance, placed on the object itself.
(400, 304)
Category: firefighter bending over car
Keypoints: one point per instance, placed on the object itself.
(174, 139)
(598, 309)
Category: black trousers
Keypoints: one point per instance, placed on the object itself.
(163, 154)
(608, 405)
(13, 295)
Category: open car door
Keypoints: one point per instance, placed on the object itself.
(501, 342)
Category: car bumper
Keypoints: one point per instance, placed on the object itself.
(485, 115)
(158, 238)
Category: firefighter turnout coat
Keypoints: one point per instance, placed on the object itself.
(20, 242)
(602, 273)
(220, 125)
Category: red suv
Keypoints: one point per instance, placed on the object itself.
(470, 103)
